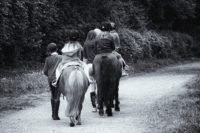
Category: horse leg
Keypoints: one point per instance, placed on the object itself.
(117, 108)
(112, 103)
(101, 112)
(72, 121)
(100, 102)
(108, 107)
(100, 107)
(78, 118)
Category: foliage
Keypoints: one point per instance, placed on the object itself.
(27, 26)
(23, 83)
(151, 44)
(182, 44)
(130, 49)
(172, 14)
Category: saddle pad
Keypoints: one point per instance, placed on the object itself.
(72, 64)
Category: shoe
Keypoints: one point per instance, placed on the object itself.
(124, 73)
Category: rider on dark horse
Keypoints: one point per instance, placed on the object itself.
(116, 38)
(107, 69)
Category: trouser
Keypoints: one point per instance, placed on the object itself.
(55, 101)
(93, 85)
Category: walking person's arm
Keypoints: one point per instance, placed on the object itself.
(45, 69)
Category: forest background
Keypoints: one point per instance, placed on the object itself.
(148, 29)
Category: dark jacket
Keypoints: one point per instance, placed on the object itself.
(50, 66)
(104, 44)
(89, 51)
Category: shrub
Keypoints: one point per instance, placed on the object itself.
(151, 44)
(182, 44)
(130, 49)
(159, 45)
(34, 82)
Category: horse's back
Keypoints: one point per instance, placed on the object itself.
(73, 78)
(106, 65)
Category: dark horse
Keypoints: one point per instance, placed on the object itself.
(73, 84)
(107, 72)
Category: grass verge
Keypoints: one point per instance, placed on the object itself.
(178, 114)
(20, 89)
(146, 66)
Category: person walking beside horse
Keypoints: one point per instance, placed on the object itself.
(89, 54)
(50, 66)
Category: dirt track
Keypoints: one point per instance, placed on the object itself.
(137, 96)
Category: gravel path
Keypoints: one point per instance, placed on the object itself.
(137, 96)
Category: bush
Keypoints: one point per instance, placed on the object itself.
(34, 82)
(151, 44)
(130, 49)
(182, 44)
(158, 44)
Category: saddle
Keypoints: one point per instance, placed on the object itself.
(61, 68)
(73, 63)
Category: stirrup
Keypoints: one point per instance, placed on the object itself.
(54, 84)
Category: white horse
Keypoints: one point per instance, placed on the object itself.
(73, 84)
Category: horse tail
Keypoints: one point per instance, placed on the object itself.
(105, 77)
(77, 86)
(76, 80)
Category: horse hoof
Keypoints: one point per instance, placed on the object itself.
(71, 124)
(101, 112)
(109, 114)
(117, 109)
(79, 123)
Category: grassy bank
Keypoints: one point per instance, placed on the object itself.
(146, 66)
(20, 88)
(32, 82)
(178, 114)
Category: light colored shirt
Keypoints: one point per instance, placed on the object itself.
(54, 53)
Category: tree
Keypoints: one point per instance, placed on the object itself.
(171, 14)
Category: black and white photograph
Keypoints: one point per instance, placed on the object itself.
(99, 66)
